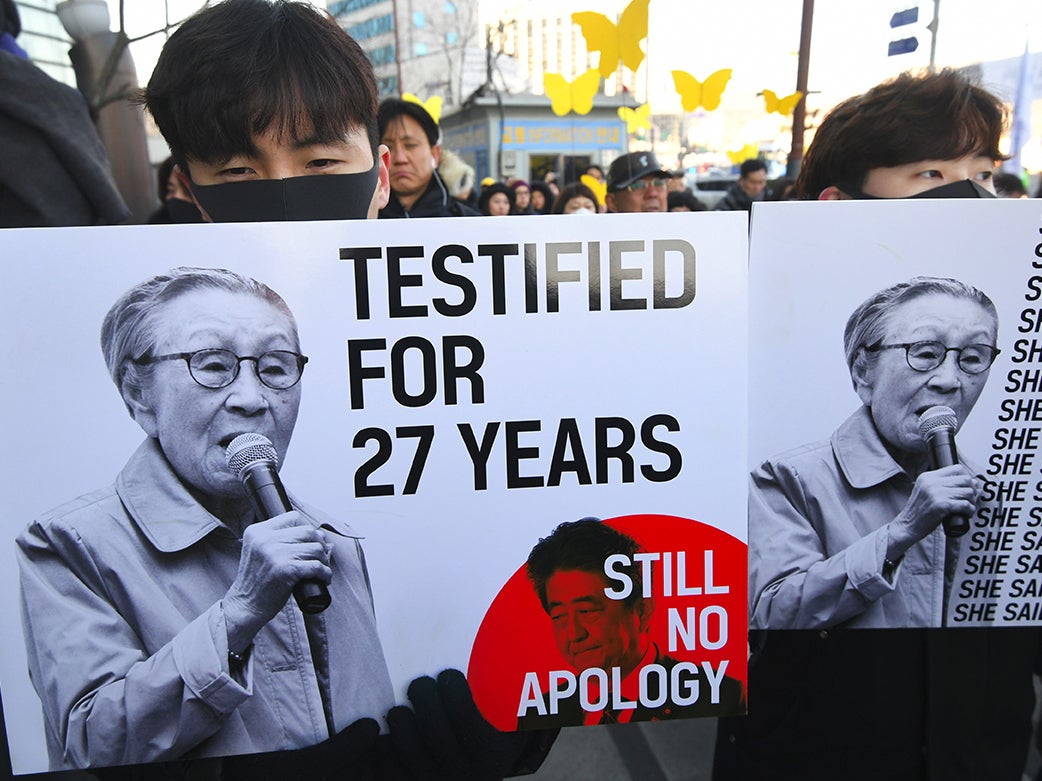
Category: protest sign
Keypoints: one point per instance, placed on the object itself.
(819, 540)
(466, 392)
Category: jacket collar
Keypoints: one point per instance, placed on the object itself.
(861, 454)
(433, 200)
(168, 515)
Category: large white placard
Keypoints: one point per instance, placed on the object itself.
(811, 266)
(628, 328)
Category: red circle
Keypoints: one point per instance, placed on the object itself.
(515, 636)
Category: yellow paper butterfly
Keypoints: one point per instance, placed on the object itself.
(616, 41)
(636, 118)
(747, 152)
(783, 106)
(575, 95)
(432, 106)
(600, 189)
(694, 93)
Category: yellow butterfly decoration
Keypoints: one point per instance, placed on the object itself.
(637, 118)
(694, 93)
(783, 106)
(432, 106)
(616, 41)
(600, 189)
(747, 152)
(574, 95)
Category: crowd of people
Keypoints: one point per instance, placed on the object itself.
(270, 111)
(429, 180)
(635, 182)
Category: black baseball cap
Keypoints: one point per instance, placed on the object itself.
(629, 168)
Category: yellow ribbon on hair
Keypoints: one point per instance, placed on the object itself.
(432, 106)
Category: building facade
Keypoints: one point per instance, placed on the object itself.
(415, 46)
(451, 48)
(45, 40)
(518, 136)
(542, 38)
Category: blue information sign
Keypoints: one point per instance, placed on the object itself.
(903, 46)
(907, 16)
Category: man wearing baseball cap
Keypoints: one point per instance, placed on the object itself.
(637, 183)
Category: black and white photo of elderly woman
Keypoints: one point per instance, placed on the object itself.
(848, 531)
(156, 611)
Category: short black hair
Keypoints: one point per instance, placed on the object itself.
(751, 166)
(569, 191)
(241, 67)
(913, 117)
(684, 198)
(548, 196)
(163, 177)
(491, 189)
(1008, 185)
(393, 108)
(10, 21)
(583, 545)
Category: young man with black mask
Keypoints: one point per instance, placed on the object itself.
(269, 110)
(412, 139)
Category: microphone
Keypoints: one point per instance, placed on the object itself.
(254, 460)
(937, 426)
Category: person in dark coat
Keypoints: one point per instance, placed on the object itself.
(411, 136)
(54, 170)
(750, 187)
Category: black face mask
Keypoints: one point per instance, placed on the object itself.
(181, 211)
(967, 188)
(318, 197)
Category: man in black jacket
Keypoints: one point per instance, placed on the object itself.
(411, 136)
(750, 187)
(54, 170)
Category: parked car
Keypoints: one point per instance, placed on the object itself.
(710, 190)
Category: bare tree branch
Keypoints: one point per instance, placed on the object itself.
(103, 92)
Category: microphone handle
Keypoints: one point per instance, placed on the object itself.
(941, 442)
(269, 497)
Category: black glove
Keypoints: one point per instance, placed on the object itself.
(350, 755)
(347, 756)
(445, 738)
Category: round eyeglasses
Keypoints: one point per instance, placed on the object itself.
(927, 356)
(216, 368)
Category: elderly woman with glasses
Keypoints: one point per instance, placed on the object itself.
(849, 531)
(157, 612)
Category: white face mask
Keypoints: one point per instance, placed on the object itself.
(583, 210)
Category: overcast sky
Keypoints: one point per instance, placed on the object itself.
(759, 40)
